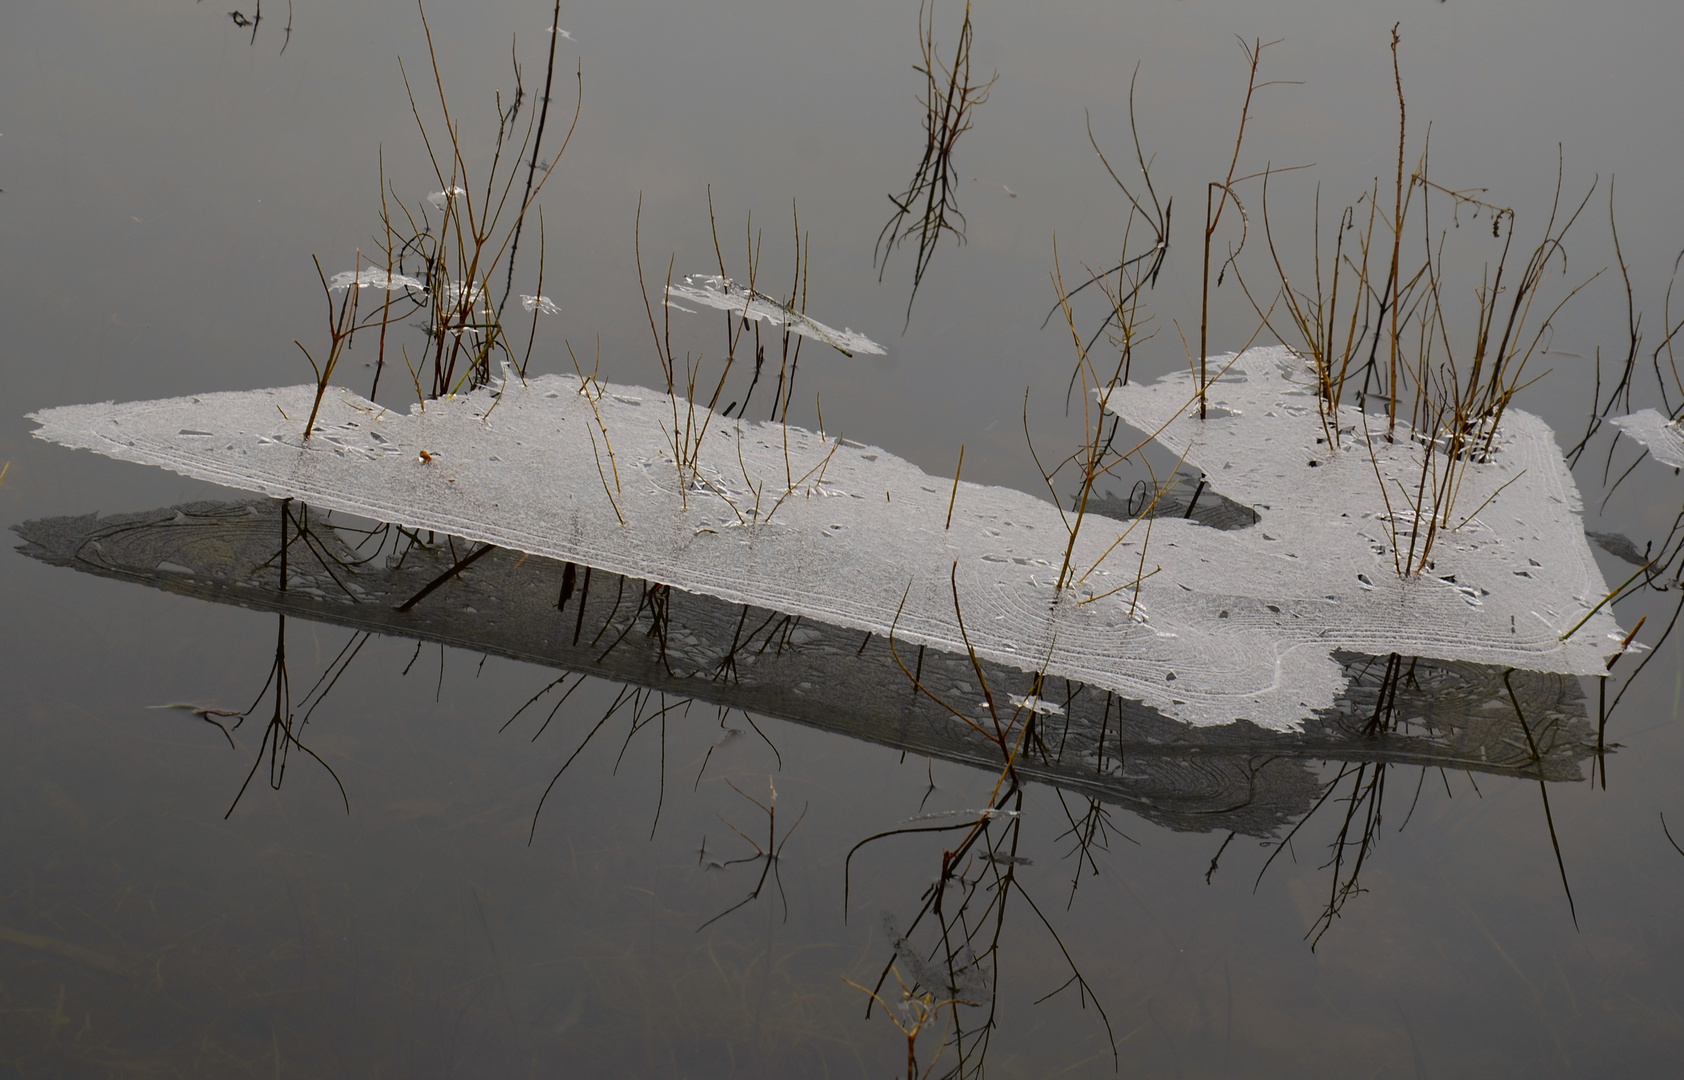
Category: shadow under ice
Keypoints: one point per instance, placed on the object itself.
(1234, 777)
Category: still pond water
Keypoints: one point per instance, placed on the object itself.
(167, 175)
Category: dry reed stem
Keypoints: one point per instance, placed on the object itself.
(949, 100)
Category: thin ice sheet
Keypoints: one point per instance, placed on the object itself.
(1235, 625)
(1653, 430)
(711, 290)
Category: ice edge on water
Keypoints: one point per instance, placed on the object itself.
(1655, 431)
(1236, 625)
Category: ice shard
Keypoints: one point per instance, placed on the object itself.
(711, 290)
(1655, 431)
(374, 278)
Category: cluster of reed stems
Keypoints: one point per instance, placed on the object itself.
(1127, 327)
(929, 206)
(1660, 561)
(692, 417)
(449, 268)
(1375, 317)
(967, 904)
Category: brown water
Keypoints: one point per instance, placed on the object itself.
(166, 178)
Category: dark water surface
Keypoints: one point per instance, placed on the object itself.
(167, 176)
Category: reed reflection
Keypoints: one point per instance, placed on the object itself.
(684, 659)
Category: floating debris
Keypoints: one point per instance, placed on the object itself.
(543, 304)
(373, 278)
(458, 294)
(987, 813)
(1220, 625)
(711, 290)
(442, 199)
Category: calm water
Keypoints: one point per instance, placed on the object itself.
(166, 179)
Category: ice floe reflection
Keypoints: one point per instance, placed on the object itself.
(1237, 777)
(668, 649)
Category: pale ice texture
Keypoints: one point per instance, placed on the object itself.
(1035, 703)
(373, 278)
(442, 199)
(543, 304)
(1662, 437)
(459, 294)
(714, 291)
(1236, 624)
